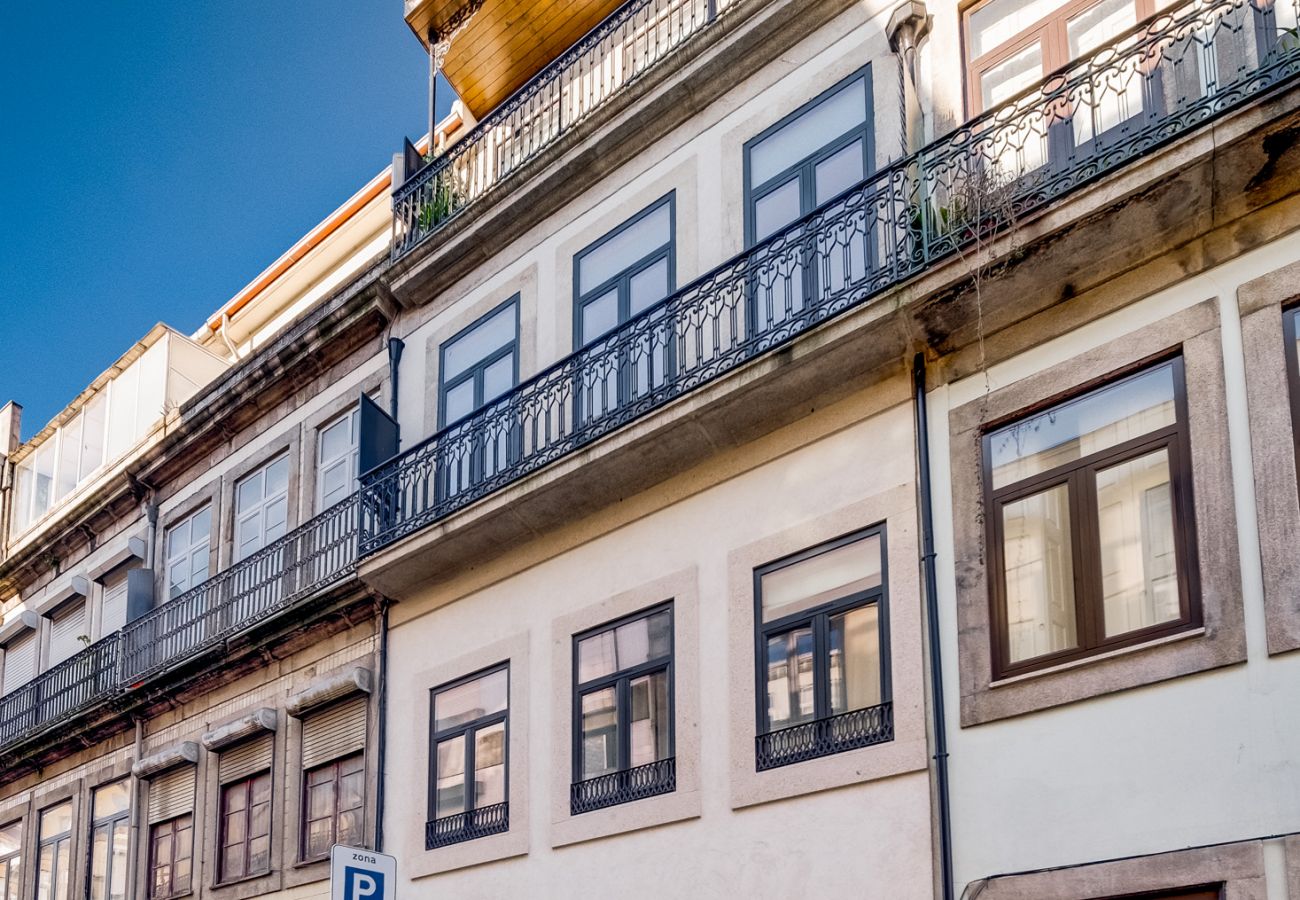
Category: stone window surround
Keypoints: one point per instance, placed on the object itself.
(682, 588)
(1261, 304)
(79, 849)
(907, 752)
(288, 442)
(1220, 642)
(209, 495)
(417, 862)
(1238, 867)
(376, 386)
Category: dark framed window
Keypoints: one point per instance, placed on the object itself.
(53, 861)
(822, 651)
(1090, 522)
(623, 743)
(616, 279)
(245, 844)
(333, 806)
(468, 787)
(111, 809)
(170, 857)
(11, 861)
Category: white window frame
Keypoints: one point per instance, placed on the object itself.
(259, 509)
(187, 553)
(351, 457)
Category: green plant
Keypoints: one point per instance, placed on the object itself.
(446, 198)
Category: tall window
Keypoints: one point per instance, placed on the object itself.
(468, 797)
(618, 277)
(171, 845)
(623, 712)
(823, 655)
(110, 807)
(262, 507)
(11, 861)
(337, 458)
(334, 777)
(188, 552)
(246, 827)
(1091, 517)
(53, 862)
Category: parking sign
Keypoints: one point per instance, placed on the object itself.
(362, 874)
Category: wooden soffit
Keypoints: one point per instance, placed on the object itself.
(505, 43)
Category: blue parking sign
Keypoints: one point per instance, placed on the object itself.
(359, 874)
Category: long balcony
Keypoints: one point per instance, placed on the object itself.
(1180, 71)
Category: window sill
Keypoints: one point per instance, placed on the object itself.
(1098, 657)
(309, 863)
(245, 879)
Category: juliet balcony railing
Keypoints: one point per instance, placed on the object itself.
(1163, 79)
(307, 560)
(823, 737)
(630, 42)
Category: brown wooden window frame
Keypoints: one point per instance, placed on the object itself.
(155, 831)
(334, 766)
(1048, 31)
(223, 847)
(1085, 539)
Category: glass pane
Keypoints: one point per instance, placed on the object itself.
(499, 377)
(10, 838)
(335, 440)
(99, 864)
(649, 286)
(450, 777)
(828, 576)
(1012, 75)
(63, 869)
(43, 486)
(56, 820)
(804, 135)
(855, 659)
(248, 492)
(117, 868)
(790, 679)
(777, 209)
(319, 838)
(69, 448)
(599, 733)
(838, 173)
(997, 22)
(1039, 574)
(490, 765)
(45, 873)
(479, 342)
(634, 243)
(92, 433)
(650, 720)
(277, 476)
(111, 799)
(599, 316)
(459, 401)
(320, 800)
(1099, 24)
(1102, 418)
(628, 645)
(471, 700)
(1139, 568)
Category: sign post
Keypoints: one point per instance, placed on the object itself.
(362, 874)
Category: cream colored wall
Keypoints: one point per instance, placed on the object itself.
(1198, 760)
(860, 821)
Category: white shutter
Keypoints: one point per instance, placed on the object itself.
(171, 794)
(114, 607)
(19, 662)
(334, 732)
(66, 631)
(246, 759)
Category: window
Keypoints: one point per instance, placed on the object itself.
(53, 863)
(333, 806)
(623, 712)
(822, 651)
(246, 828)
(19, 662)
(11, 861)
(262, 507)
(337, 458)
(468, 786)
(170, 865)
(110, 807)
(69, 632)
(1090, 516)
(188, 552)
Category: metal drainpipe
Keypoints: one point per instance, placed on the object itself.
(395, 347)
(381, 741)
(932, 632)
(132, 862)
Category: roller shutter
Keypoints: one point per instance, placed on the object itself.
(114, 613)
(334, 732)
(246, 759)
(66, 631)
(171, 794)
(19, 662)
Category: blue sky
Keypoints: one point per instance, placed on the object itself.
(156, 156)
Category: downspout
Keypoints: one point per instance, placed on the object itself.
(382, 740)
(395, 347)
(932, 631)
(234, 354)
(132, 860)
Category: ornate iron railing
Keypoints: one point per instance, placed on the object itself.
(467, 826)
(1149, 86)
(631, 41)
(623, 786)
(307, 560)
(822, 737)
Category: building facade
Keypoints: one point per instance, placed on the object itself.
(755, 447)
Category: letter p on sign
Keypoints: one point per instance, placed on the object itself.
(359, 884)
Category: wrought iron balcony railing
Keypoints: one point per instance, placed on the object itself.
(467, 826)
(1158, 81)
(623, 786)
(822, 737)
(308, 559)
(632, 41)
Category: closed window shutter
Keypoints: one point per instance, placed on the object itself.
(247, 759)
(66, 632)
(19, 662)
(114, 617)
(171, 794)
(334, 732)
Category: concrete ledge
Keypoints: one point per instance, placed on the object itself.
(256, 722)
(133, 550)
(357, 679)
(185, 753)
(76, 586)
(27, 619)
